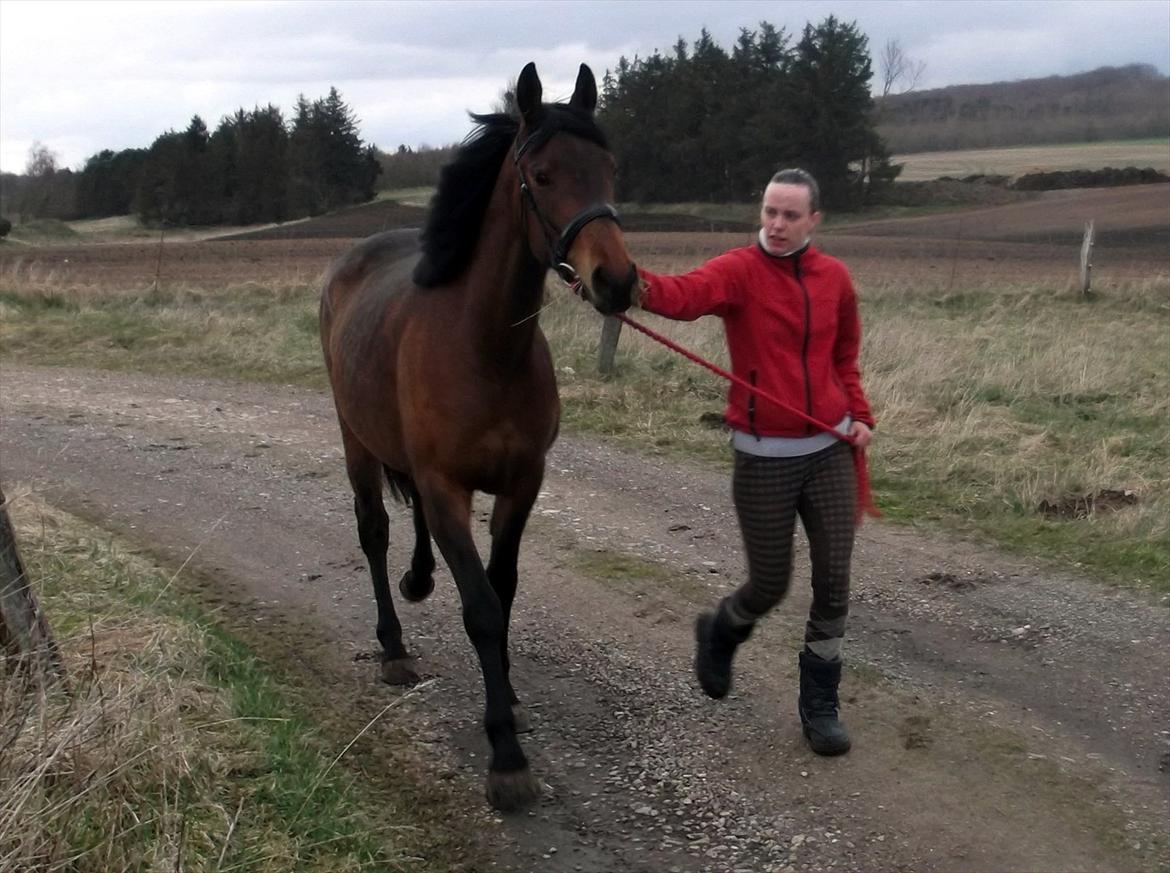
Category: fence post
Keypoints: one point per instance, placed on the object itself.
(24, 633)
(611, 329)
(1086, 263)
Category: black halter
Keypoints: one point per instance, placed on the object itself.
(558, 245)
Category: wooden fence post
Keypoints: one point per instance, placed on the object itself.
(1086, 263)
(611, 329)
(24, 633)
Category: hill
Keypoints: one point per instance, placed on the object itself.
(1109, 103)
(350, 223)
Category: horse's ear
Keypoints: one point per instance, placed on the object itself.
(528, 94)
(585, 94)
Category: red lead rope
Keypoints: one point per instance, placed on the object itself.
(865, 504)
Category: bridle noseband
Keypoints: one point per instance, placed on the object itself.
(559, 244)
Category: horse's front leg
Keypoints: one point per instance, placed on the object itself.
(510, 784)
(509, 517)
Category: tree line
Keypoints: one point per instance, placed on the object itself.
(254, 167)
(702, 123)
(699, 123)
(1131, 102)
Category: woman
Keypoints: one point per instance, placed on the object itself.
(790, 317)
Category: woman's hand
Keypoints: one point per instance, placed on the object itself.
(861, 434)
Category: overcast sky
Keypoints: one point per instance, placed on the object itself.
(84, 76)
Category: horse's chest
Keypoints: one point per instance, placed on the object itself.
(505, 451)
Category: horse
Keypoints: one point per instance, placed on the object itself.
(443, 381)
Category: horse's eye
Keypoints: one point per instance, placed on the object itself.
(542, 179)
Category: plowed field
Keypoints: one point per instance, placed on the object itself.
(1034, 240)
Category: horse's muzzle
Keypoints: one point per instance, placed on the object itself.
(612, 294)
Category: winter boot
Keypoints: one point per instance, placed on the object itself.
(715, 641)
(818, 705)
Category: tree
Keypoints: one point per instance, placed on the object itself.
(250, 151)
(350, 167)
(831, 108)
(108, 182)
(41, 161)
(48, 191)
(180, 182)
(305, 157)
(329, 164)
(198, 183)
(899, 70)
(154, 199)
(700, 123)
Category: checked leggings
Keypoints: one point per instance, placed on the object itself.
(769, 494)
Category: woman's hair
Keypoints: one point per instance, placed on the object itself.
(801, 177)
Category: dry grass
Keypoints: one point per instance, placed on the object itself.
(1019, 160)
(146, 760)
(114, 773)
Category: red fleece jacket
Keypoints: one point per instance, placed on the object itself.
(792, 329)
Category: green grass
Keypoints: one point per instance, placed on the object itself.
(42, 230)
(179, 748)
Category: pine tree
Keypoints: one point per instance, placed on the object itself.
(831, 106)
(703, 124)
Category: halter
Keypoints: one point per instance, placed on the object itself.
(559, 245)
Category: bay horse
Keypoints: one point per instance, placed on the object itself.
(443, 381)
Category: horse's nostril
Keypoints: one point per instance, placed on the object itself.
(614, 294)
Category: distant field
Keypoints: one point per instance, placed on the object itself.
(1036, 159)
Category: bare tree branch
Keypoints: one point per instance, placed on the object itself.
(899, 70)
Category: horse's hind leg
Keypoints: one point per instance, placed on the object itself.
(509, 518)
(418, 582)
(365, 475)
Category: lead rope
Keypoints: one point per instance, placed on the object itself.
(865, 504)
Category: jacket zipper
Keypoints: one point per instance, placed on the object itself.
(752, 405)
(804, 348)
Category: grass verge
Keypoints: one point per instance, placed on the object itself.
(175, 747)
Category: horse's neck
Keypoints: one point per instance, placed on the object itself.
(504, 286)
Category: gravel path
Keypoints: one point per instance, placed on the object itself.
(1005, 716)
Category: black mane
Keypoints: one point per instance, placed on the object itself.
(465, 186)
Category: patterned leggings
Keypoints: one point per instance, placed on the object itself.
(769, 493)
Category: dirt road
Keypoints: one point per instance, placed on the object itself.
(1005, 717)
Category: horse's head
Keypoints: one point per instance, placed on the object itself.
(566, 188)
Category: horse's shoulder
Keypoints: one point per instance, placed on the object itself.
(389, 244)
(375, 253)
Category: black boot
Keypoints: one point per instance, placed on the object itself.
(715, 641)
(818, 705)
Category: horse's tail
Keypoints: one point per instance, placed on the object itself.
(400, 485)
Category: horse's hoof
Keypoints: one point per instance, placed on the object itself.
(513, 791)
(521, 718)
(415, 588)
(398, 671)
